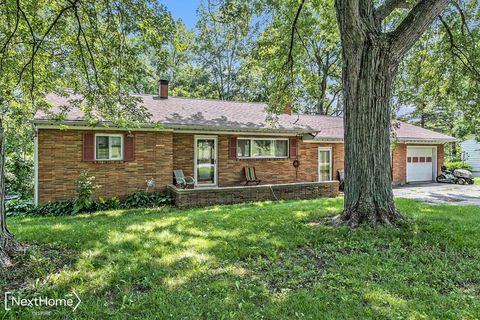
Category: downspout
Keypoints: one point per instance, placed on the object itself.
(35, 164)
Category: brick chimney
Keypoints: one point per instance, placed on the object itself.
(163, 89)
(288, 108)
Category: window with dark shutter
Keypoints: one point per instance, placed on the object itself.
(232, 148)
(88, 147)
(129, 147)
(293, 146)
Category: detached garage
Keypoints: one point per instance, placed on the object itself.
(421, 163)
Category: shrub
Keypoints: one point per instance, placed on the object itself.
(107, 204)
(17, 207)
(143, 199)
(457, 165)
(84, 186)
(58, 208)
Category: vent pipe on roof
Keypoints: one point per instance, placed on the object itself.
(163, 89)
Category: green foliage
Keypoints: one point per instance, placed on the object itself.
(84, 186)
(19, 176)
(17, 207)
(253, 261)
(58, 208)
(143, 199)
(457, 165)
(103, 204)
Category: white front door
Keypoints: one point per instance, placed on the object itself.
(421, 162)
(205, 160)
(324, 164)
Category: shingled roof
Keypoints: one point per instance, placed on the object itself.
(204, 114)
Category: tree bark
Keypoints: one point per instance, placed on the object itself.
(370, 62)
(369, 72)
(8, 244)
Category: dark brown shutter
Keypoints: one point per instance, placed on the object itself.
(232, 148)
(88, 146)
(128, 147)
(293, 146)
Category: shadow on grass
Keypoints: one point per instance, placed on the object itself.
(258, 260)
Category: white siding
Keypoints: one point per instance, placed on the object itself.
(472, 153)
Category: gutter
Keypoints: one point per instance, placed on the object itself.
(82, 125)
(308, 135)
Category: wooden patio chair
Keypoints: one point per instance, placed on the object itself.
(251, 176)
(182, 181)
(341, 178)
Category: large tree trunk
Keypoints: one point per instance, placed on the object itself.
(368, 72)
(8, 244)
(370, 61)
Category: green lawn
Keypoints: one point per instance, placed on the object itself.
(254, 261)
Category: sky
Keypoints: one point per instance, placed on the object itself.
(183, 9)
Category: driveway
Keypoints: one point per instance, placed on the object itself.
(439, 193)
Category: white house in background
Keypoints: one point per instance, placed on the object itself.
(471, 155)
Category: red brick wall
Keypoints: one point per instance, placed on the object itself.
(399, 161)
(158, 153)
(230, 172)
(60, 163)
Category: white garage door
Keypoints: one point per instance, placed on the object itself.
(420, 164)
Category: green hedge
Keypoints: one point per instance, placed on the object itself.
(457, 165)
(139, 199)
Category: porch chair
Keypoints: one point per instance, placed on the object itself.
(341, 178)
(251, 176)
(182, 181)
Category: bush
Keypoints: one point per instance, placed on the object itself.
(107, 204)
(58, 208)
(17, 207)
(143, 199)
(84, 187)
(457, 165)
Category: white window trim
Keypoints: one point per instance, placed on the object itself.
(265, 157)
(331, 162)
(109, 135)
(195, 160)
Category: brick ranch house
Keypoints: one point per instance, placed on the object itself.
(212, 141)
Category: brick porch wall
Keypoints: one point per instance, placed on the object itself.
(188, 198)
(399, 161)
(60, 163)
(270, 171)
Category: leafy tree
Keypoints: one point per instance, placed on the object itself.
(90, 47)
(224, 37)
(373, 48)
(312, 70)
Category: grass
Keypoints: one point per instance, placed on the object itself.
(253, 261)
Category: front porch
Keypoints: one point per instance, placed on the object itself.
(201, 197)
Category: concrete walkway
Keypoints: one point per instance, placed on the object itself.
(439, 193)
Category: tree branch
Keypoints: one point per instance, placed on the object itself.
(40, 42)
(292, 36)
(387, 8)
(458, 52)
(415, 24)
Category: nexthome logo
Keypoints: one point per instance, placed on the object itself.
(70, 301)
